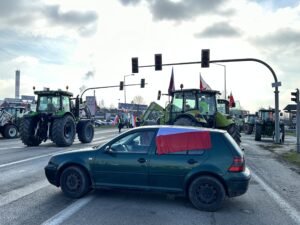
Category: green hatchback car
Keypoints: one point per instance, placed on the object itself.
(204, 164)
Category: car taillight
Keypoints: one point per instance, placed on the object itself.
(238, 164)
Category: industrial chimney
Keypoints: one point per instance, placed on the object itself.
(17, 86)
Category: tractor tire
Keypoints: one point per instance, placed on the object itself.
(85, 131)
(185, 121)
(10, 131)
(258, 130)
(63, 131)
(234, 131)
(27, 127)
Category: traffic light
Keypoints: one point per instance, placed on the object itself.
(121, 85)
(158, 95)
(142, 82)
(158, 61)
(205, 58)
(295, 96)
(135, 65)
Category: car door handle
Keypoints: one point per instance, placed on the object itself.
(142, 160)
(192, 161)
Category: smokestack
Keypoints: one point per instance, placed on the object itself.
(17, 86)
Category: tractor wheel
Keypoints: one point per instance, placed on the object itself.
(63, 131)
(251, 126)
(233, 130)
(185, 121)
(10, 131)
(85, 131)
(258, 130)
(27, 130)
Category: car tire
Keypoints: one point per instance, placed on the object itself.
(206, 193)
(74, 182)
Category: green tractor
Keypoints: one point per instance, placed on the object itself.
(57, 118)
(191, 107)
(265, 125)
(223, 106)
(249, 123)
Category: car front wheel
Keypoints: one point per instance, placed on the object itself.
(74, 182)
(206, 193)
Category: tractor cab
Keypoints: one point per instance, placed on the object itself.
(53, 101)
(223, 106)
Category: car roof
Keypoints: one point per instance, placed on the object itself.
(175, 127)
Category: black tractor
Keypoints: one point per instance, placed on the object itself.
(265, 125)
(58, 118)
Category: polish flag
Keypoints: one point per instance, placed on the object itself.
(203, 85)
(172, 83)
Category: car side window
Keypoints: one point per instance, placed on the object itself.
(138, 142)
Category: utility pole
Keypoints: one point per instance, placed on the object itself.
(125, 86)
(224, 66)
(296, 98)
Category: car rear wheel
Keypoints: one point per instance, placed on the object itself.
(206, 193)
(74, 182)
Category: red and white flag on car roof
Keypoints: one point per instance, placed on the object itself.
(203, 85)
(172, 83)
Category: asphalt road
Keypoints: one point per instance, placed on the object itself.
(27, 198)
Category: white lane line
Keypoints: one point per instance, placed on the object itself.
(13, 195)
(283, 204)
(68, 212)
(38, 157)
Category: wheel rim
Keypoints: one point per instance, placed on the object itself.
(12, 132)
(68, 131)
(206, 193)
(73, 182)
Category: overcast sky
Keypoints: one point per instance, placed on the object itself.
(90, 43)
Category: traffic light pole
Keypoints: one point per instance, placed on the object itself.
(276, 84)
(298, 126)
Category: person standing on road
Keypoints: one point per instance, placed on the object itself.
(120, 124)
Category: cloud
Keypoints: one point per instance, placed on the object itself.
(282, 47)
(17, 13)
(217, 30)
(184, 9)
(276, 4)
(130, 2)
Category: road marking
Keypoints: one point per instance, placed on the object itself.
(13, 195)
(41, 156)
(68, 212)
(283, 204)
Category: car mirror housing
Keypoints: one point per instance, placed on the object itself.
(108, 150)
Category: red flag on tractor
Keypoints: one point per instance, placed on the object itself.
(203, 85)
(231, 100)
(172, 84)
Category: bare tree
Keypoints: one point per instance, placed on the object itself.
(138, 100)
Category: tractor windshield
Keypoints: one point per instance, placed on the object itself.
(48, 103)
(267, 115)
(207, 104)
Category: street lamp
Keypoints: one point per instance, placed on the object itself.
(125, 86)
(224, 66)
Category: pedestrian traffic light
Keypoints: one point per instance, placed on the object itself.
(121, 85)
(205, 58)
(295, 96)
(142, 82)
(158, 62)
(135, 65)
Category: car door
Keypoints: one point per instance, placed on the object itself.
(124, 162)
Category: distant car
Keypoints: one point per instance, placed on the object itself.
(99, 123)
(205, 164)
